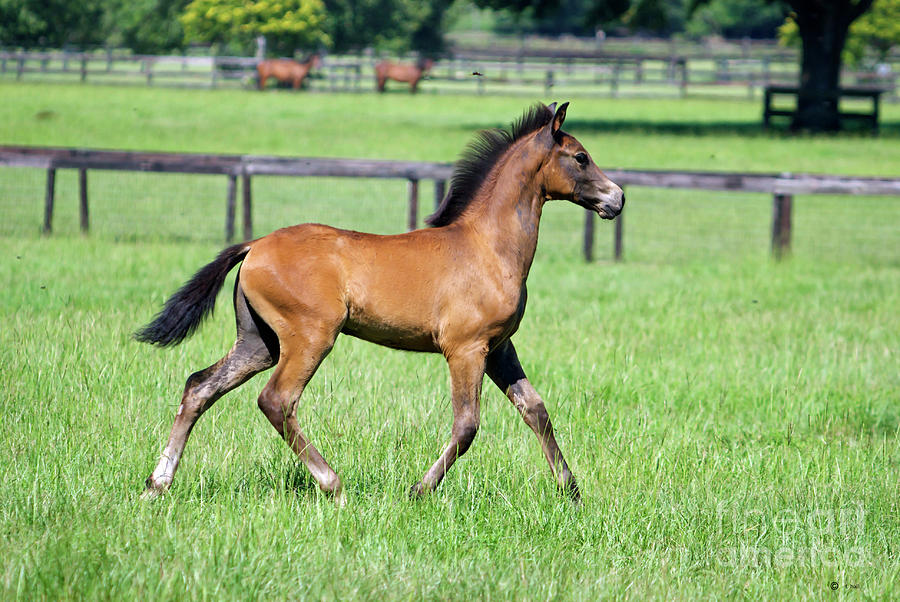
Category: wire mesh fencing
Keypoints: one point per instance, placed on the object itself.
(659, 225)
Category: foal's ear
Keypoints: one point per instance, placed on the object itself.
(558, 118)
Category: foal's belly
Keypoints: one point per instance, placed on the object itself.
(390, 335)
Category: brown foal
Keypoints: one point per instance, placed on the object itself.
(457, 288)
(287, 71)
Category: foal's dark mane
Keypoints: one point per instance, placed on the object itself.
(479, 157)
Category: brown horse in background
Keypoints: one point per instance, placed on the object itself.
(386, 70)
(286, 71)
(457, 289)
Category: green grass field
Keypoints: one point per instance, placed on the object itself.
(733, 422)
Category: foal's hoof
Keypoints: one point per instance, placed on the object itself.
(152, 491)
(418, 491)
(574, 494)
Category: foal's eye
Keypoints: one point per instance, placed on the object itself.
(582, 159)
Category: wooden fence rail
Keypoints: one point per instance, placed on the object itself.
(782, 186)
(503, 71)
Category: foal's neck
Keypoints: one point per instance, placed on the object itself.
(508, 211)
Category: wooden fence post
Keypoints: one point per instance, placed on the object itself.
(614, 84)
(413, 218)
(781, 225)
(750, 88)
(248, 207)
(439, 191)
(83, 200)
(48, 200)
(617, 235)
(875, 99)
(229, 208)
(588, 243)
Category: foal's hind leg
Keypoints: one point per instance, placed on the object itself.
(247, 357)
(301, 353)
(505, 370)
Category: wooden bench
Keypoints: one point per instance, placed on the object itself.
(870, 117)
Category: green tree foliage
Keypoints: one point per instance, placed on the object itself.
(51, 23)
(397, 25)
(584, 16)
(730, 18)
(736, 19)
(145, 26)
(870, 39)
(876, 32)
(606, 13)
(536, 8)
(357, 24)
(427, 35)
(648, 15)
(287, 24)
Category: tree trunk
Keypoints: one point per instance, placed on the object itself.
(823, 29)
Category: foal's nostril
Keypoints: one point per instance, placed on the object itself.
(623, 200)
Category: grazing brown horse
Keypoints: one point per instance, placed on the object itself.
(386, 70)
(286, 71)
(457, 288)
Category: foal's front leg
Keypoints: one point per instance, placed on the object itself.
(505, 370)
(466, 374)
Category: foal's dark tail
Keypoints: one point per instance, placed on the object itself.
(186, 309)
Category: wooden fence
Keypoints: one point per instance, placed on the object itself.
(479, 71)
(782, 186)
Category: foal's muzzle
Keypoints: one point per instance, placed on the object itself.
(607, 202)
